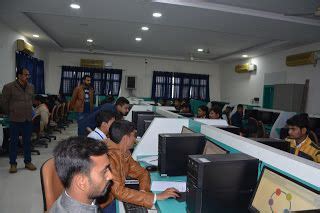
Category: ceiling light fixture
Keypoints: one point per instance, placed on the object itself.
(138, 39)
(200, 50)
(144, 28)
(245, 56)
(89, 40)
(75, 6)
(35, 35)
(156, 14)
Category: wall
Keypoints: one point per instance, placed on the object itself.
(271, 69)
(135, 66)
(8, 39)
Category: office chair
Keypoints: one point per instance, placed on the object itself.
(38, 141)
(50, 184)
(313, 137)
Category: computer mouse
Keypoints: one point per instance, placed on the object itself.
(151, 168)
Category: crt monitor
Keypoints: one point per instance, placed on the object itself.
(136, 113)
(186, 114)
(275, 143)
(186, 130)
(212, 148)
(266, 117)
(253, 113)
(276, 192)
(141, 122)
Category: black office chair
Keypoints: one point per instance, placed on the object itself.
(38, 141)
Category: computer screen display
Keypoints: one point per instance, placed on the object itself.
(211, 148)
(277, 193)
(266, 117)
(186, 130)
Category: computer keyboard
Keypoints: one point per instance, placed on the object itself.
(131, 208)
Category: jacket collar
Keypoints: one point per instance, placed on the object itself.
(72, 205)
(115, 148)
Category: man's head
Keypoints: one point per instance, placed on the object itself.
(240, 109)
(23, 75)
(298, 126)
(38, 99)
(86, 80)
(122, 106)
(124, 133)
(215, 112)
(83, 166)
(185, 108)
(202, 111)
(104, 119)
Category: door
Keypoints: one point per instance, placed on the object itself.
(268, 93)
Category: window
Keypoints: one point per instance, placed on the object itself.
(168, 85)
(104, 81)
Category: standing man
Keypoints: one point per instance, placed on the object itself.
(82, 98)
(17, 98)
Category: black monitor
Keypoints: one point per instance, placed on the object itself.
(232, 129)
(253, 113)
(275, 143)
(136, 113)
(276, 192)
(275, 116)
(141, 122)
(266, 117)
(212, 148)
(146, 125)
(314, 123)
(186, 114)
(174, 149)
(186, 130)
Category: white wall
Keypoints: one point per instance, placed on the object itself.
(271, 69)
(132, 66)
(8, 44)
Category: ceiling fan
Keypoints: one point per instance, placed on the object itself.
(315, 14)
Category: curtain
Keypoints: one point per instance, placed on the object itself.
(36, 70)
(104, 81)
(180, 85)
(162, 85)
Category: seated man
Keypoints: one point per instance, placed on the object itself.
(236, 118)
(42, 110)
(300, 143)
(104, 119)
(123, 136)
(185, 108)
(83, 166)
(203, 112)
(215, 112)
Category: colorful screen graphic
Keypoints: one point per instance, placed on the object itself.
(278, 194)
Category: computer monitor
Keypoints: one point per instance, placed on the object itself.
(186, 114)
(136, 113)
(212, 148)
(174, 149)
(266, 117)
(275, 143)
(275, 116)
(232, 129)
(314, 123)
(186, 130)
(276, 192)
(141, 122)
(253, 113)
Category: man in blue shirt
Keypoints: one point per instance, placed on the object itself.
(104, 119)
(236, 119)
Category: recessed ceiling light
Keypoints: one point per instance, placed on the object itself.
(75, 6)
(35, 35)
(138, 39)
(89, 40)
(156, 14)
(200, 50)
(144, 28)
(245, 56)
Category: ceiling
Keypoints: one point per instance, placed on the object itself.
(225, 29)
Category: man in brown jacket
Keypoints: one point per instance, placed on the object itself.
(123, 135)
(17, 102)
(82, 98)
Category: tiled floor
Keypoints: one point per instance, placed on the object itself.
(21, 192)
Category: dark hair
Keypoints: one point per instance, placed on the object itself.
(19, 71)
(240, 106)
(216, 109)
(299, 120)
(119, 129)
(72, 156)
(121, 101)
(185, 105)
(39, 98)
(205, 109)
(85, 76)
(104, 116)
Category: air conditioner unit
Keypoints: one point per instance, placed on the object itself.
(25, 47)
(91, 63)
(244, 68)
(302, 59)
(130, 82)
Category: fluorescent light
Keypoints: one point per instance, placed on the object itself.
(35, 35)
(89, 40)
(75, 6)
(200, 50)
(144, 28)
(245, 56)
(138, 39)
(156, 14)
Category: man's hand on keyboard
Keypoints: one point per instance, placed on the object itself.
(168, 193)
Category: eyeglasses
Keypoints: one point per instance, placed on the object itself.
(28, 75)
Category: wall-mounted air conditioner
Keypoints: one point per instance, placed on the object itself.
(25, 47)
(244, 68)
(302, 59)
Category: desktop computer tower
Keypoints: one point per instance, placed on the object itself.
(174, 149)
(220, 182)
